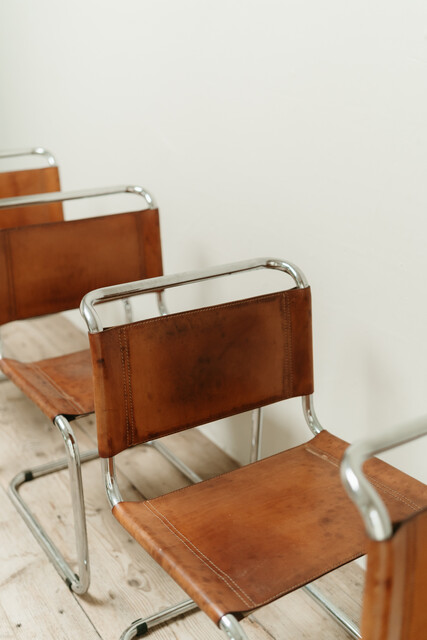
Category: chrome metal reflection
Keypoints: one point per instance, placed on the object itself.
(336, 613)
(141, 626)
(108, 467)
(256, 440)
(153, 285)
(78, 583)
(232, 628)
(62, 196)
(372, 509)
(177, 463)
(310, 415)
(38, 151)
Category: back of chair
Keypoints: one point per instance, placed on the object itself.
(48, 268)
(166, 374)
(29, 182)
(395, 605)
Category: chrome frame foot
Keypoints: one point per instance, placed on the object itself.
(142, 626)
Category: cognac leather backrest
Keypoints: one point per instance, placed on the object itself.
(49, 267)
(166, 374)
(395, 604)
(26, 183)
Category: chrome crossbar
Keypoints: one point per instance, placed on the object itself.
(62, 196)
(117, 292)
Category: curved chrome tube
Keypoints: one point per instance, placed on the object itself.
(365, 497)
(37, 151)
(143, 625)
(61, 196)
(310, 415)
(111, 487)
(232, 628)
(129, 289)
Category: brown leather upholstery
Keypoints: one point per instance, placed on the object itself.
(29, 182)
(395, 605)
(166, 374)
(58, 386)
(48, 268)
(243, 539)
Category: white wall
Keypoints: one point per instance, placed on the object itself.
(295, 129)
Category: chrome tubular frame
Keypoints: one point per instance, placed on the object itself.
(232, 628)
(159, 284)
(62, 196)
(256, 439)
(16, 153)
(36, 151)
(372, 509)
(339, 616)
(228, 623)
(153, 285)
(142, 626)
(78, 583)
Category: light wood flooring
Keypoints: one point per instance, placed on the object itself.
(126, 584)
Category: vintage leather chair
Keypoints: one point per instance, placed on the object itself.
(245, 538)
(394, 606)
(44, 269)
(23, 182)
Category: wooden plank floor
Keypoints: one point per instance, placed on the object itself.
(126, 584)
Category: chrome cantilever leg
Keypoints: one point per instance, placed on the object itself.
(143, 625)
(79, 583)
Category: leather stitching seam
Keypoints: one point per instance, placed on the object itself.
(130, 392)
(335, 565)
(140, 240)
(247, 600)
(391, 492)
(287, 356)
(292, 587)
(125, 394)
(238, 303)
(9, 268)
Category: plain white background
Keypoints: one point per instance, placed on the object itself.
(283, 128)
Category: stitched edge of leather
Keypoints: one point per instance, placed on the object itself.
(235, 305)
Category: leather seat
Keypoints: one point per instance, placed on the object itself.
(47, 268)
(241, 540)
(58, 386)
(245, 538)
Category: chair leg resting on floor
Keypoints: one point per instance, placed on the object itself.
(77, 582)
(140, 627)
(229, 624)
